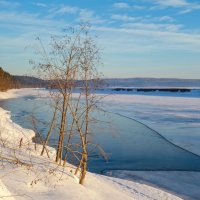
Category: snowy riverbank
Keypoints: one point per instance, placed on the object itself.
(18, 181)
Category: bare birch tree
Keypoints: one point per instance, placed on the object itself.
(70, 66)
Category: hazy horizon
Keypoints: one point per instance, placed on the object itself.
(144, 77)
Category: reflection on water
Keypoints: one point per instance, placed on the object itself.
(129, 144)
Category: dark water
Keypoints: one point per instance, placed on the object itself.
(129, 144)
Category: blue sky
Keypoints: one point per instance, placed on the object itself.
(138, 38)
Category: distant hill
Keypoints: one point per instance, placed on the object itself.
(7, 81)
(151, 82)
(29, 82)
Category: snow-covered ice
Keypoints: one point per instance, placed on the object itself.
(177, 118)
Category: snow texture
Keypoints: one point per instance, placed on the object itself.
(43, 179)
(177, 118)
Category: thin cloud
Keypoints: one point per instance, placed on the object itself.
(153, 26)
(8, 4)
(40, 4)
(67, 9)
(148, 18)
(89, 16)
(32, 24)
(184, 5)
(123, 5)
(81, 15)
(63, 9)
(125, 18)
(165, 18)
(167, 39)
(172, 3)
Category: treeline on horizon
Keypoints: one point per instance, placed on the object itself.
(7, 81)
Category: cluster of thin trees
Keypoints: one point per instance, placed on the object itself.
(70, 66)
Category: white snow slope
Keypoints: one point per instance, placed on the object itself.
(34, 177)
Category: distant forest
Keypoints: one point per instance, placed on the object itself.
(7, 81)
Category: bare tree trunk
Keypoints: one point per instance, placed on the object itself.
(50, 130)
(84, 167)
(72, 64)
(84, 156)
(85, 153)
(71, 128)
(61, 133)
